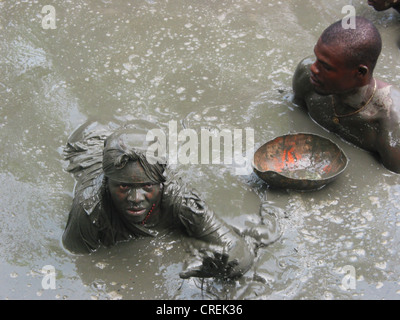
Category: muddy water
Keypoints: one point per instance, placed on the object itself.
(219, 64)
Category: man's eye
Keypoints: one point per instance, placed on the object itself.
(148, 187)
(124, 187)
(326, 67)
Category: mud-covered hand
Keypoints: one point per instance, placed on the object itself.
(211, 263)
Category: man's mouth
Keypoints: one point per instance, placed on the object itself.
(136, 211)
(314, 81)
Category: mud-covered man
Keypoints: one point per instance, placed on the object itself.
(121, 194)
(341, 94)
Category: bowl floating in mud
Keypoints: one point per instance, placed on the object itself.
(300, 161)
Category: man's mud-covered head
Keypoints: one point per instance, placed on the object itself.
(134, 183)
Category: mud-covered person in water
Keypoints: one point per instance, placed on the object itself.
(340, 93)
(382, 5)
(122, 194)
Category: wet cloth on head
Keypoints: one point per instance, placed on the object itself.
(127, 145)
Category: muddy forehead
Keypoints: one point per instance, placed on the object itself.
(132, 173)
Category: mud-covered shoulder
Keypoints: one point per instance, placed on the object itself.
(301, 81)
(185, 205)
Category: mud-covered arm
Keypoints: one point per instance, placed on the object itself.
(388, 134)
(81, 235)
(222, 252)
(389, 151)
(388, 146)
(83, 151)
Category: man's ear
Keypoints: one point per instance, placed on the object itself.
(363, 70)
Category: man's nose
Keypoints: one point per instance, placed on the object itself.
(314, 68)
(136, 195)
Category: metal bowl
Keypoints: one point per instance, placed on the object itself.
(300, 161)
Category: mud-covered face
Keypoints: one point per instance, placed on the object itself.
(135, 196)
(330, 73)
